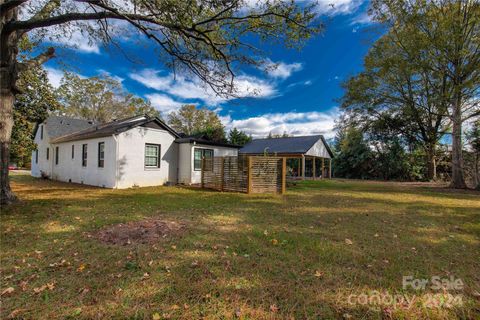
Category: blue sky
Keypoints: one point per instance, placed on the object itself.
(298, 97)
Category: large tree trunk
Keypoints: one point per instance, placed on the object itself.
(458, 180)
(8, 77)
(431, 165)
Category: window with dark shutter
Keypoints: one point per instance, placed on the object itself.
(41, 131)
(84, 155)
(73, 151)
(56, 155)
(101, 154)
(48, 153)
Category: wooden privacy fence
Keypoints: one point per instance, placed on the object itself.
(249, 174)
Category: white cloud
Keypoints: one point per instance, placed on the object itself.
(246, 86)
(281, 70)
(54, 76)
(293, 123)
(336, 7)
(362, 19)
(163, 103)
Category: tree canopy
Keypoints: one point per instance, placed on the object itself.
(101, 99)
(206, 40)
(193, 121)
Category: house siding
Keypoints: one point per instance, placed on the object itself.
(187, 173)
(130, 166)
(318, 150)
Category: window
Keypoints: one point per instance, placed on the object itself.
(84, 155)
(152, 155)
(198, 155)
(41, 131)
(73, 151)
(56, 155)
(36, 156)
(101, 154)
(48, 153)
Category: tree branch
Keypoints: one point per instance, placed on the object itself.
(9, 5)
(38, 60)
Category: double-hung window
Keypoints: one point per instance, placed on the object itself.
(84, 155)
(48, 153)
(152, 155)
(101, 154)
(73, 151)
(198, 155)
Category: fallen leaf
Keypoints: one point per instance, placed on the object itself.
(376, 235)
(348, 241)
(175, 307)
(273, 308)
(185, 306)
(274, 242)
(174, 247)
(8, 290)
(238, 313)
(14, 313)
(81, 267)
(156, 316)
(318, 274)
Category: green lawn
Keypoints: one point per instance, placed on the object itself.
(299, 256)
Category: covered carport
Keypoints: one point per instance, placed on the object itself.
(308, 157)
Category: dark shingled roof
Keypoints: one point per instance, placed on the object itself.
(206, 142)
(114, 127)
(58, 126)
(289, 145)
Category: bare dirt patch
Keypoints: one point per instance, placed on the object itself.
(140, 232)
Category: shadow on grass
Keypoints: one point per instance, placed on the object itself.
(240, 252)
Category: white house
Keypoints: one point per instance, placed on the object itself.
(138, 151)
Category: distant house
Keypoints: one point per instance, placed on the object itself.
(138, 151)
(310, 156)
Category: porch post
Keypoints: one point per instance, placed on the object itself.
(303, 167)
(314, 163)
(330, 169)
(323, 168)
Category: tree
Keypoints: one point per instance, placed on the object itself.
(99, 99)
(393, 97)
(30, 107)
(193, 121)
(473, 138)
(353, 157)
(238, 137)
(441, 37)
(205, 39)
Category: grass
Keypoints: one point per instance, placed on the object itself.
(244, 256)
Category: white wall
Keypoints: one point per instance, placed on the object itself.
(187, 172)
(42, 145)
(131, 170)
(185, 164)
(318, 150)
(70, 169)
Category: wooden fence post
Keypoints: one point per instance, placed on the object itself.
(249, 173)
(203, 173)
(284, 174)
(222, 173)
(330, 169)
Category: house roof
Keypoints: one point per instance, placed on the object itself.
(206, 142)
(114, 127)
(288, 145)
(57, 126)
